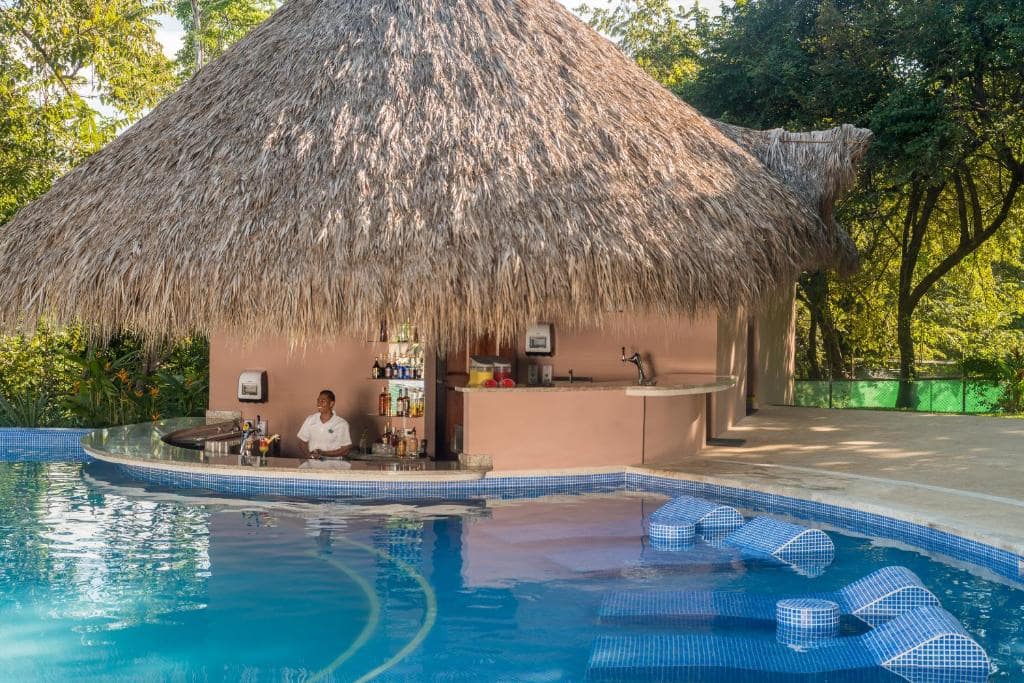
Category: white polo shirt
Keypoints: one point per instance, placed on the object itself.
(325, 436)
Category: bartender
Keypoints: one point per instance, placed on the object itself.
(324, 434)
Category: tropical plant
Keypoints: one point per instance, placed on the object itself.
(30, 409)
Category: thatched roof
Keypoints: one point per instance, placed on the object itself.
(820, 166)
(467, 164)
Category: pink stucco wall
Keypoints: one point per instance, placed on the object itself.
(526, 430)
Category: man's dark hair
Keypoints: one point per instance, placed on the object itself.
(328, 393)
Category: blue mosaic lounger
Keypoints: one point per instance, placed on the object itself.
(676, 521)
(785, 541)
(875, 599)
(926, 645)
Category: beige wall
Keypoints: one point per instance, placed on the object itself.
(296, 376)
(776, 352)
(729, 407)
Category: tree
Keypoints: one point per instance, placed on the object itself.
(212, 26)
(940, 83)
(659, 37)
(73, 74)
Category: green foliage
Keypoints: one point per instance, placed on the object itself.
(212, 26)
(662, 40)
(54, 379)
(118, 384)
(938, 213)
(29, 410)
(61, 63)
(72, 74)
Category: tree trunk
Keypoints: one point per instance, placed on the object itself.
(197, 27)
(905, 340)
(815, 288)
(814, 367)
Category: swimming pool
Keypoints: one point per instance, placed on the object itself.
(102, 579)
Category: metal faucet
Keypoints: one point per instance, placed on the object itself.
(642, 378)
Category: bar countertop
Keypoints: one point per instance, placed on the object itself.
(664, 386)
(142, 444)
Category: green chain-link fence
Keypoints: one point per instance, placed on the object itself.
(929, 395)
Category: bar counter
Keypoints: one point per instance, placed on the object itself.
(587, 424)
(669, 385)
(142, 444)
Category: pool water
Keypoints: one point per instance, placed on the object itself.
(104, 579)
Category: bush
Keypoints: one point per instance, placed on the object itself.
(56, 379)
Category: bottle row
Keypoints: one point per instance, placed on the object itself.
(406, 404)
(402, 443)
(396, 366)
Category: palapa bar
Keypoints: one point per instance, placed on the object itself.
(468, 168)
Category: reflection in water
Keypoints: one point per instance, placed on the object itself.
(105, 560)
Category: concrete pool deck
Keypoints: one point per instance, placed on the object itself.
(963, 474)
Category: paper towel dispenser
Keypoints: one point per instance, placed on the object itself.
(252, 386)
(540, 340)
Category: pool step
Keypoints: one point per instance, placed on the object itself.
(874, 599)
(925, 644)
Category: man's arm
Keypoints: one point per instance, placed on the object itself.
(304, 435)
(337, 452)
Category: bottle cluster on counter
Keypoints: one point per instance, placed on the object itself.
(401, 443)
(408, 403)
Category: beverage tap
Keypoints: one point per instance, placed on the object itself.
(635, 359)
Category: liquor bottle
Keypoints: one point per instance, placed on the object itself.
(389, 370)
(383, 330)
(364, 442)
(375, 371)
(412, 443)
(400, 448)
(383, 400)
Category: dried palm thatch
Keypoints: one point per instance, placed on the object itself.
(470, 165)
(820, 166)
